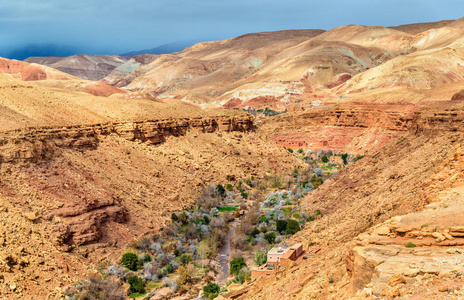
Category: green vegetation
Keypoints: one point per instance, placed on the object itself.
(134, 295)
(211, 290)
(221, 191)
(358, 157)
(236, 265)
(136, 284)
(281, 225)
(300, 150)
(183, 218)
(345, 158)
(410, 245)
(185, 259)
(324, 159)
(174, 217)
(228, 208)
(255, 232)
(260, 258)
(229, 187)
(292, 227)
(270, 237)
(290, 150)
(130, 261)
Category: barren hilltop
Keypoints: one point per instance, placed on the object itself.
(303, 164)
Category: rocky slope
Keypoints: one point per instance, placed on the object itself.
(418, 175)
(358, 129)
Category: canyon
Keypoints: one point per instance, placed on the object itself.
(92, 163)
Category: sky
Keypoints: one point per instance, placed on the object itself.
(63, 27)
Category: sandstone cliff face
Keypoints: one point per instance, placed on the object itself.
(356, 129)
(34, 144)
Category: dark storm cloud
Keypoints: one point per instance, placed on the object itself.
(97, 26)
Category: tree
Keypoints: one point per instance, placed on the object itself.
(281, 225)
(136, 284)
(183, 217)
(255, 232)
(174, 217)
(211, 290)
(203, 251)
(260, 258)
(130, 261)
(345, 158)
(220, 190)
(292, 227)
(236, 265)
(185, 259)
(324, 159)
(185, 274)
(270, 237)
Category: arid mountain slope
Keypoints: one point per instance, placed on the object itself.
(297, 66)
(91, 67)
(30, 72)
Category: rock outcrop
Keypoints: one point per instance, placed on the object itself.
(35, 144)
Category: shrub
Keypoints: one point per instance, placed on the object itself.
(319, 172)
(260, 258)
(211, 290)
(116, 270)
(95, 288)
(255, 232)
(290, 150)
(185, 275)
(292, 227)
(241, 277)
(236, 265)
(136, 284)
(248, 182)
(214, 211)
(345, 158)
(270, 237)
(130, 261)
(318, 212)
(410, 245)
(358, 157)
(300, 150)
(183, 217)
(185, 259)
(281, 225)
(324, 159)
(239, 241)
(220, 191)
(174, 217)
(168, 269)
(244, 195)
(229, 187)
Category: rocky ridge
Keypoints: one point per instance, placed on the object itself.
(34, 144)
